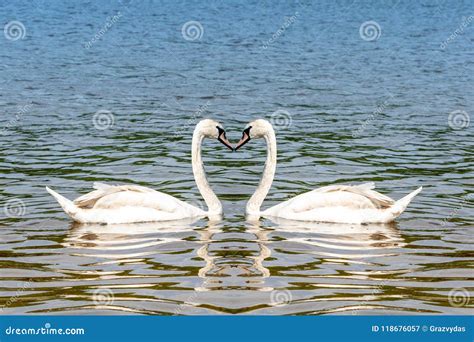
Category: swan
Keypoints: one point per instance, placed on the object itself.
(121, 204)
(356, 204)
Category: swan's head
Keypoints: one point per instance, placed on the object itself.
(212, 129)
(257, 129)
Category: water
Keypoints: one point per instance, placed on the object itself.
(350, 111)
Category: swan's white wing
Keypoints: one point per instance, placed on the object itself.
(349, 196)
(101, 186)
(365, 190)
(102, 190)
(337, 187)
(116, 196)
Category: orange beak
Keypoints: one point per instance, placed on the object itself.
(245, 138)
(223, 139)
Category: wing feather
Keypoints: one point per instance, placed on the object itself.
(88, 200)
(365, 189)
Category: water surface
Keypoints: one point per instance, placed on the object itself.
(347, 111)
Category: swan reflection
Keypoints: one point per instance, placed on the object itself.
(374, 235)
(235, 267)
(361, 251)
(223, 264)
(212, 258)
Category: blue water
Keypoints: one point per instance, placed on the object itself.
(346, 110)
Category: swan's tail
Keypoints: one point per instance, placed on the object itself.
(399, 206)
(67, 205)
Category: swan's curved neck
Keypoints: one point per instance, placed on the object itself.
(254, 203)
(214, 206)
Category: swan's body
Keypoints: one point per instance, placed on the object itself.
(118, 204)
(341, 204)
(335, 203)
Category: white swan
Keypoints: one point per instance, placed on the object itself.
(118, 204)
(334, 203)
